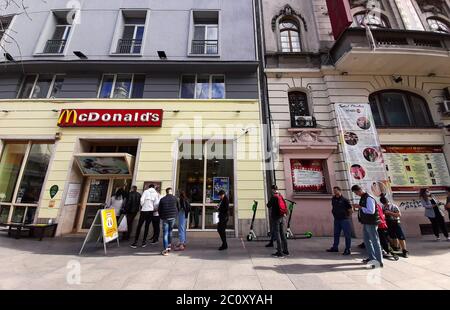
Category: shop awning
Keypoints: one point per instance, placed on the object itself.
(105, 164)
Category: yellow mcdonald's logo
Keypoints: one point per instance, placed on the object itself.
(66, 115)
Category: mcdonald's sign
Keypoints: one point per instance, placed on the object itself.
(110, 118)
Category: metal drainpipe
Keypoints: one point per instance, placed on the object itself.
(265, 109)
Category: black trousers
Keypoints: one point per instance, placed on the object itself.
(221, 229)
(438, 222)
(156, 227)
(384, 242)
(144, 217)
(130, 221)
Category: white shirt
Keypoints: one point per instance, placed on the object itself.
(150, 200)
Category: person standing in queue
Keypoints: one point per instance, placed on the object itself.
(168, 211)
(117, 203)
(368, 216)
(278, 209)
(131, 209)
(434, 213)
(342, 212)
(149, 203)
(183, 212)
(223, 208)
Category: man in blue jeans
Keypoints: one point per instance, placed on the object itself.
(168, 210)
(342, 211)
(369, 218)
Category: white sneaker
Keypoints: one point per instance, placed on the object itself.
(448, 239)
(437, 239)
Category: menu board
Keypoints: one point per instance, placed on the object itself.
(411, 167)
(361, 148)
(307, 176)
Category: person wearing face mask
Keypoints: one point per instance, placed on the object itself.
(434, 213)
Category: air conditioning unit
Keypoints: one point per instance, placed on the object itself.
(305, 122)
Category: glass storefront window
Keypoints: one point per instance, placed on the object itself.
(205, 168)
(18, 215)
(34, 173)
(26, 163)
(308, 176)
(4, 213)
(10, 164)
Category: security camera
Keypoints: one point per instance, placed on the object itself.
(397, 79)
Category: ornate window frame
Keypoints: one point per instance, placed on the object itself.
(287, 12)
(430, 13)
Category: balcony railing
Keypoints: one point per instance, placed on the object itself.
(390, 38)
(205, 47)
(129, 46)
(55, 46)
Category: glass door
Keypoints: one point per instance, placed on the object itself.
(98, 193)
(205, 168)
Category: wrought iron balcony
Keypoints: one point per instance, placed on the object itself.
(129, 46)
(55, 46)
(391, 51)
(205, 47)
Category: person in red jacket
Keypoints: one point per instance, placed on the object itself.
(383, 234)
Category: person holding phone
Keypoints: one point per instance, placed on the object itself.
(434, 213)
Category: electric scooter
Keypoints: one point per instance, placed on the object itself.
(252, 235)
(289, 233)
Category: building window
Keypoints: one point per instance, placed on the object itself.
(36, 86)
(5, 22)
(202, 86)
(373, 20)
(438, 25)
(290, 36)
(299, 110)
(122, 86)
(308, 176)
(61, 32)
(23, 167)
(205, 40)
(132, 36)
(400, 109)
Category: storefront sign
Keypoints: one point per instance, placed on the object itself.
(73, 194)
(110, 118)
(361, 148)
(109, 223)
(412, 167)
(307, 176)
(53, 191)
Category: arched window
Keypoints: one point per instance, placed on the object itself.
(298, 108)
(290, 36)
(438, 25)
(373, 20)
(394, 108)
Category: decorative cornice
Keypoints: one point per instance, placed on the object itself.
(287, 11)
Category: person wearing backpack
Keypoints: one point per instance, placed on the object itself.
(368, 216)
(278, 208)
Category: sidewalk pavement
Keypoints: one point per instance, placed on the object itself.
(54, 264)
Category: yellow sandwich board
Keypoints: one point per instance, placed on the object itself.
(103, 227)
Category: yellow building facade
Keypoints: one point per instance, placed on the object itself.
(201, 146)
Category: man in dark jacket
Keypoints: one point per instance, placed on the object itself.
(342, 210)
(168, 211)
(369, 218)
(223, 209)
(279, 224)
(132, 206)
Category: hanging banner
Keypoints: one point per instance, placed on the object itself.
(361, 149)
(412, 167)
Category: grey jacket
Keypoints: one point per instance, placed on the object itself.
(429, 209)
